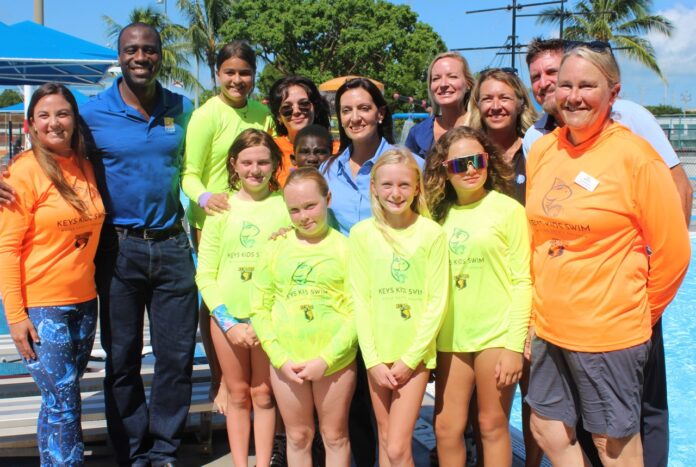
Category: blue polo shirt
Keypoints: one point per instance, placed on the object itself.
(350, 197)
(137, 162)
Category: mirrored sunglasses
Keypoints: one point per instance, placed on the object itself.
(461, 164)
(288, 109)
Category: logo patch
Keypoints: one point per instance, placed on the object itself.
(245, 274)
(81, 240)
(404, 310)
(308, 311)
(460, 281)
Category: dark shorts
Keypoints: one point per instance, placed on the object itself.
(604, 387)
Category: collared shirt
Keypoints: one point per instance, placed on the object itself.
(137, 162)
(636, 117)
(350, 196)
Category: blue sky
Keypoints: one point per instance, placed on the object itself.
(676, 56)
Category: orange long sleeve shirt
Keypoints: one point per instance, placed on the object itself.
(593, 210)
(47, 248)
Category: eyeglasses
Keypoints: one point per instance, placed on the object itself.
(461, 164)
(287, 110)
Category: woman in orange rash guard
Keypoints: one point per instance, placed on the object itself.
(609, 251)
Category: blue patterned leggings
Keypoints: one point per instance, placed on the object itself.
(66, 336)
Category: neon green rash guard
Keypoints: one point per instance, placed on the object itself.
(399, 294)
(491, 291)
(229, 251)
(301, 308)
(213, 128)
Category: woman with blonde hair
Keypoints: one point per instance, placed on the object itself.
(501, 107)
(609, 251)
(449, 84)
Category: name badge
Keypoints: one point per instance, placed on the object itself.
(169, 125)
(586, 181)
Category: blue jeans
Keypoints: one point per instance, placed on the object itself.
(66, 335)
(134, 274)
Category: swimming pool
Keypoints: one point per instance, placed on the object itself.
(679, 329)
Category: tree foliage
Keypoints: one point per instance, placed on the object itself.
(623, 23)
(175, 47)
(205, 18)
(663, 109)
(10, 97)
(323, 39)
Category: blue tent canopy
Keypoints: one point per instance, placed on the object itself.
(80, 98)
(34, 54)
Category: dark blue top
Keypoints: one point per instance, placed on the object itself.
(421, 137)
(137, 161)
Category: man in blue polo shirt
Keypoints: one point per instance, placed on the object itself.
(136, 132)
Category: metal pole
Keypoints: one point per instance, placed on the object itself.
(39, 12)
(514, 31)
(562, 16)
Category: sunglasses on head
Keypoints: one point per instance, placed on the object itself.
(461, 164)
(595, 46)
(288, 109)
(506, 69)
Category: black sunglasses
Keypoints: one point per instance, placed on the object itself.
(287, 110)
(461, 164)
(506, 69)
(596, 46)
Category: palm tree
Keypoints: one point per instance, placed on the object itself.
(205, 18)
(623, 23)
(175, 47)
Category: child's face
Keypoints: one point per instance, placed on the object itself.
(395, 186)
(472, 179)
(311, 151)
(307, 208)
(255, 168)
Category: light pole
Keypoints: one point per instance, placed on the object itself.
(159, 2)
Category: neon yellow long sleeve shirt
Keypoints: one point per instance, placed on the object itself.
(489, 256)
(209, 135)
(230, 247)
(301, 308)
(399, 294)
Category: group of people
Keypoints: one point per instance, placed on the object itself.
(337, 279)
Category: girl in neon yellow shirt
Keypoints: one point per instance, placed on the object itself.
(213, 128)
(398, 275)
(482, 339)
(228, 254)
(303, 316)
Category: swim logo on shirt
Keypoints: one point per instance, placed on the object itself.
(457, 241)
(247, 236)
(301, 274)
(559, 191)
(399, 266)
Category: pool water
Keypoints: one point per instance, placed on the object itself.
(679, 331)
(679, 328)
